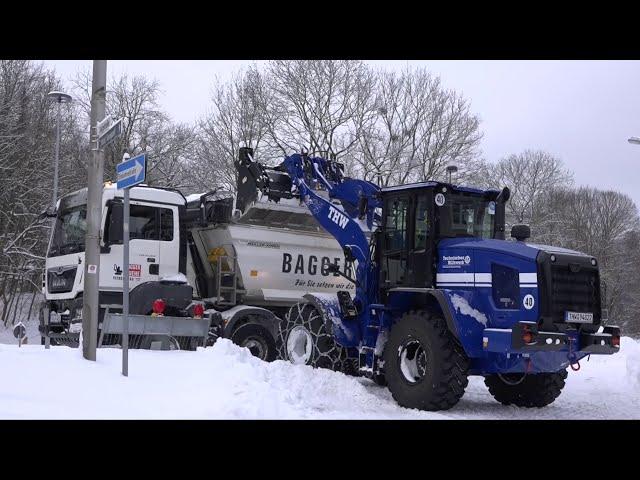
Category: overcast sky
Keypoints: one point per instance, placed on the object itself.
(580, 111)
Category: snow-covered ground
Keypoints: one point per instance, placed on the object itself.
(226, 382)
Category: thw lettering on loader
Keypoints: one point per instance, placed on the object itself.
(338, 218)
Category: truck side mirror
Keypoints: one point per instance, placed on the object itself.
(521, 232)
(116, 221)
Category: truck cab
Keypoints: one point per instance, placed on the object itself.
(156, 250)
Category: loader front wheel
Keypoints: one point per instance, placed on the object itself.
(532, 390)
(303, 339)
(425, 368)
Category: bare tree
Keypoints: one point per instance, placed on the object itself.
(27, 133)
(416, 130)
(531, 176)
(316, 104)
(146, 127)
(238, 117)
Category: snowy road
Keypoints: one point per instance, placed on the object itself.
(227, 382)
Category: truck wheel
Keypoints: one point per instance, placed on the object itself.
(379, 379)
(425, 368)
(534, 390)
(257, 339)
(303, 339)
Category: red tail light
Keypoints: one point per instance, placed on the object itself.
(615, 341)
(198, 310)
(159, 306)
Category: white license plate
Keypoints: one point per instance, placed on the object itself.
(578, 317)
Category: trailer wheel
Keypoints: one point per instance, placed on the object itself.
(257, 339)
(534, 390)
(303, 339)
(424, 366)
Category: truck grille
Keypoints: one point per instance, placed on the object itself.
(61, 279)
(574, 288)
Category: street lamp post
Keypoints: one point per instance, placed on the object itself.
(451, 169)
(59, 98)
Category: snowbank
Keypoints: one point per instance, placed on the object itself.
(226, 382)
(632, 352)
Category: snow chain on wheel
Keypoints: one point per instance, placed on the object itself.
(535, 390)
(303, 338)
(424, 366)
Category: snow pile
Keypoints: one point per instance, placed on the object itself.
(226, 382)
(176, 278)
(631, 349)
(223, 382)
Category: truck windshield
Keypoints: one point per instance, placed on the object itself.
(468, 216)
(69, 232)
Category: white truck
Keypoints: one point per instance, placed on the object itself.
(249, 264)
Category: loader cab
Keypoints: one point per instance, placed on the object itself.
(416, 217)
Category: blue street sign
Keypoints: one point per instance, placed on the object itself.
(131, 172)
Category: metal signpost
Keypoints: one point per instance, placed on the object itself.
(130, 172)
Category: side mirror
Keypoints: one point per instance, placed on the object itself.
(116, 221)
(520, 232)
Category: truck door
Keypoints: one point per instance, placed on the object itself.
(421, 246)
(395, 241)
(169, 245)
(144, 246)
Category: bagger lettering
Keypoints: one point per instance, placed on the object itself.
(338, 218)
(308, 266)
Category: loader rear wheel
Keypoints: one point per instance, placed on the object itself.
(425, 368)
(534, 390)
(303, 339)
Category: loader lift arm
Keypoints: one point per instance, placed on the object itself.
(296, 177)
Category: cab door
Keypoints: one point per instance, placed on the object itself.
(395, 241)
(421, 241)
(144, 246)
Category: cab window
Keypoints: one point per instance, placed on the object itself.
(422, 223)
(396, 225)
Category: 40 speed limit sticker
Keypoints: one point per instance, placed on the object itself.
(528, 301)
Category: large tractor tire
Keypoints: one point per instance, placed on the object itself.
(257, 339)
(424, 366)
(303, 339)
(531, 390)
